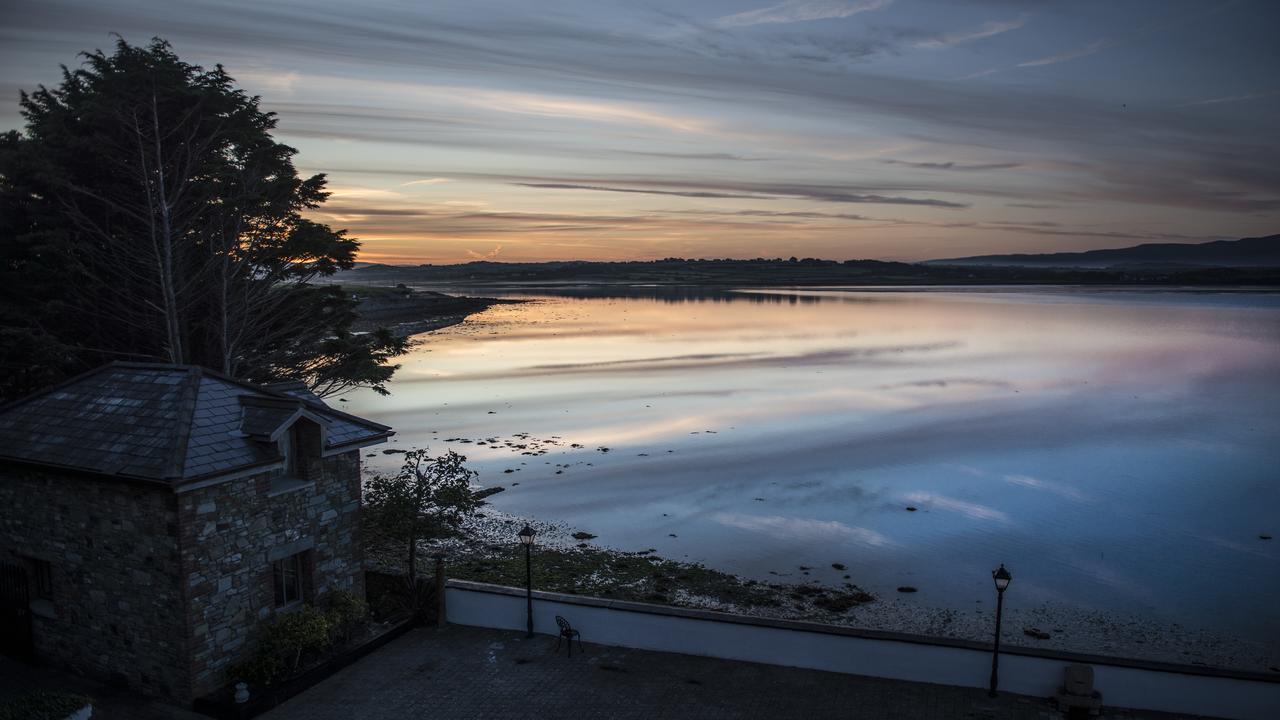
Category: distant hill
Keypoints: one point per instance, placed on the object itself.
(776, 272)
(1248, 252)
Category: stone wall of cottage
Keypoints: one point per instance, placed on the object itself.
(230, 533)
(115, 609)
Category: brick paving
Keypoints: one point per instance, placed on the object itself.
(471, 673)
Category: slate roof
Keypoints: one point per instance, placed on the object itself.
(260, 419)
(165, 423)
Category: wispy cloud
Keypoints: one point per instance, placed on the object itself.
(691, 156)
(576, 108)
(837, 197)
(1233, 98)
(344, 192)
(426, 181)
(799, 214)
(989, 29)
(819, 193)
(980, 73)
(518, 102)
(485, 255)
(1085, 51)
(953, 165)
(277, 83)
(601, 188)
(948, 382)
(796, 11)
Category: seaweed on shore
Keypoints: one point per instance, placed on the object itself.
(642, 576)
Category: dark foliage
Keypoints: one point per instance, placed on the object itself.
(428, 498)
(42, 705)
(146, 213)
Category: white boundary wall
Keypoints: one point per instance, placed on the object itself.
(1123, 683)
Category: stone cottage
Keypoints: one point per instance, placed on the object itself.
(157, 512)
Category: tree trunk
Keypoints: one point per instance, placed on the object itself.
(224, 311)
(413, 563)
(169, 298)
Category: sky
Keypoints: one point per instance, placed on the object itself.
(598, 130)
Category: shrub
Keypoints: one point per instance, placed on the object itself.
(260, 670)
(289, 635)
(283, 640)
(42, 705)
(346, 614)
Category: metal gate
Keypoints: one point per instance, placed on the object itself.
(15, 613)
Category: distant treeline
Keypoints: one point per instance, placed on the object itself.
(794, 271)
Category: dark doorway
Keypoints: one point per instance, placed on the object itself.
(15, 613)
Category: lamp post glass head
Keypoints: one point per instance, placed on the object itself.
(526, 535)
(1001, 577)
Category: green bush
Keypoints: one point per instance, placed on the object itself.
(346, 614)
(42, 705)
(283, 640)
(260, 670)
(290, 635)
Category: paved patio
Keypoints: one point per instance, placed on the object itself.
(461, 672)
(18, 678)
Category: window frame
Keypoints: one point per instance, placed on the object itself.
(289, 453)
(288, 580)
(287, 478)
(39, 578)
(39, 573)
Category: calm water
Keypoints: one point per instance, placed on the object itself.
(1117, 450)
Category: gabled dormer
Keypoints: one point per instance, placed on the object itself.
(297, 433)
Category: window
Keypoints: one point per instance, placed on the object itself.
(293, 476)
(306, 445)
(39, 578)
(290, 457)
(40, 587)
(297, 448)
(288, 579)
(294, 463)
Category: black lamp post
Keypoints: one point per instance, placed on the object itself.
(1001, 578)
(526, 539)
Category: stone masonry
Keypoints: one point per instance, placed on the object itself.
(164, 590)
(116, 609)
(231, 532)
(157, 514)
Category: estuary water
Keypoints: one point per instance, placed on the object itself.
(1117, 450)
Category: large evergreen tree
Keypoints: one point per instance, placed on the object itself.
(147, 213)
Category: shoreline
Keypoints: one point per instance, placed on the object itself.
(408, 312)
(484, 551)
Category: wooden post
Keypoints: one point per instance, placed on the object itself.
(440, 581)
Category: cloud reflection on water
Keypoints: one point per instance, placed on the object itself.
(1038, 484)
(789, 528)
(695, 361)
(968, 509)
